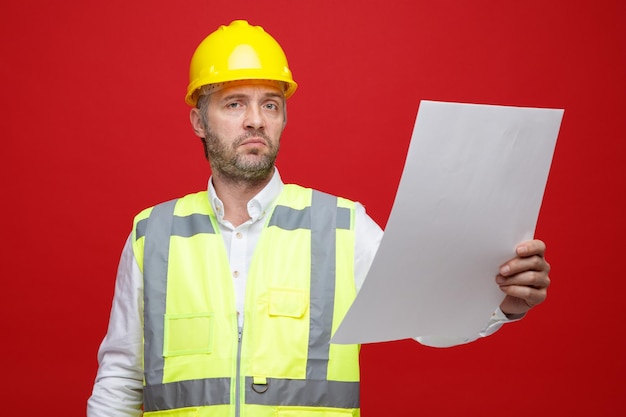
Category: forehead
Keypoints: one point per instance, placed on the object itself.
(250, 88)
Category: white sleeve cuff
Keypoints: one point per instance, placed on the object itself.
(497, 319)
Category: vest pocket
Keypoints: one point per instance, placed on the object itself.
(187, 334)
(287, 302)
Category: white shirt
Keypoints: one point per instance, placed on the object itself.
(118, 389)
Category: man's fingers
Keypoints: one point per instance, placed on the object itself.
(520, 265)
(531, 296)
(531, 248)
(533, 279)
(524, 279)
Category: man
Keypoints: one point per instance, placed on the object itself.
(225, 300)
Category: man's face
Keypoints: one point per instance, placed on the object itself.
(242, 131)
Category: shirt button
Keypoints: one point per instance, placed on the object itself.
(238, 235)
(235, 274)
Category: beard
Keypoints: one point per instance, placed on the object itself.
(253, 166)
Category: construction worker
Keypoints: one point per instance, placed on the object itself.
(225, 300)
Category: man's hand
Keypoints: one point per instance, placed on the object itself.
(524, 279)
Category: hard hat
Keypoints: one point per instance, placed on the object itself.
(238, 51)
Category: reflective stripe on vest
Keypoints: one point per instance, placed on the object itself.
(323, 217)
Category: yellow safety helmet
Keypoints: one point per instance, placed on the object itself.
(238, 51)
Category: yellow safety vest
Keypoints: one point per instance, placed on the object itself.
(300, 285)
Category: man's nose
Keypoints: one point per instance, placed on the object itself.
(254, 118)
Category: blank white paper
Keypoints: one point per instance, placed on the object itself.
(470, 191)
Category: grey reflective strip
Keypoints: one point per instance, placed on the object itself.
(184, 226)
(323, 244)
(191, 393)
(306, 393)
(192, 225)
(158, 396)
(344, 218)
(156, 253)
(291, 219)
(140, 230)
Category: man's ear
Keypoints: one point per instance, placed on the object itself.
(196, 122)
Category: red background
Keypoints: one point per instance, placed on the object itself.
(95, 128)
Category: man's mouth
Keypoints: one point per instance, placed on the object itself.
(255, 141)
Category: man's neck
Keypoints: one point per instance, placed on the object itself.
(235, 196)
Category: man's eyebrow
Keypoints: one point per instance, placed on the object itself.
(233, 96)
(274, 95)
(236, 96)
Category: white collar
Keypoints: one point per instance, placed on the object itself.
(258, 206)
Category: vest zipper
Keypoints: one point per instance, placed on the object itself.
(237, 378)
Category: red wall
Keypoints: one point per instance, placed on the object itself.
(95, 128)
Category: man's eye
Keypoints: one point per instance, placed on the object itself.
(233, 105)
(271, 106)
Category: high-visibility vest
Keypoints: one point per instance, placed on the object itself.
(197, 362)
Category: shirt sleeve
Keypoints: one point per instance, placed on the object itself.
(368, 236)
(497, 319)
(118, 388)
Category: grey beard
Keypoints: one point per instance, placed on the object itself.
(235, 169)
